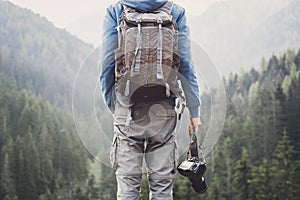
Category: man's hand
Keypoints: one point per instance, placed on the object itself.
(194, 123)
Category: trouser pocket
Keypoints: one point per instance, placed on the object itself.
(114, 152)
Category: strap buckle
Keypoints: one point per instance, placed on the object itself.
(139, 20)
(159, 20)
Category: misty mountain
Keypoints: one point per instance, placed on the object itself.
(234, 33)
(39, 56)
(284, 25)
(40, 153)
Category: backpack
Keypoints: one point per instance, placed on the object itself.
(147, 59)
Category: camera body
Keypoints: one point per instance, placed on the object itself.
(194, 170)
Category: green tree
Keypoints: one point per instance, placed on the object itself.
(183, 189)
(79, 194)
(92, 192)
(293, 117)
(260, 188)
(7, 186)
(108, 183)
(242, 177)
(215, 191)
(288, 79)
(283, 170)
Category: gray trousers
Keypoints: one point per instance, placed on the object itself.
(145, 132)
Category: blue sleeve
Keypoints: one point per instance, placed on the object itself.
(107, 60)
(187, 70)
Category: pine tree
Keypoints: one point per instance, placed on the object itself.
(228, 165)
(183, 189)
(288, 79)
(21, 178)
(4, 128)
(108, 183)
(283, 170)
(92, 192)
(242, 177)
(45, 154)
(216, 191)
(261, 112)
(281, 114)
(7, 186)
(293, 118)
(32, 165)
(79, 194)
(260, 182)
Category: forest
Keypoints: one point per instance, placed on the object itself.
(257, 155)
(41, 156)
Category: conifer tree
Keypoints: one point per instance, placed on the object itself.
(242, 177)
(293, 118)
(283, 170)
(216, 191)
(260, 188)
(108, 183)
(92, 192)
(7, 186)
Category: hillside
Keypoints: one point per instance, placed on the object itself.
(237, 32)
(40, 154)
(285, 26)
(37, 55)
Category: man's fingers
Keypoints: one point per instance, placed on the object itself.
(190, 127)
(195, 124)
(199, 124)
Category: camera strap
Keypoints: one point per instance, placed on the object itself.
(193, 144)
(193, 151)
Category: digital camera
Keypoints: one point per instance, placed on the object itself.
(194, 168)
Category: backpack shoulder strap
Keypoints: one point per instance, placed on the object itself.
(167, 7)
(127, 8)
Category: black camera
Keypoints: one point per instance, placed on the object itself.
(194, 167)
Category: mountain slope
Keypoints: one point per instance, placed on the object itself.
(39, 153)
(37, 55)
(284, 25)
(237, 32)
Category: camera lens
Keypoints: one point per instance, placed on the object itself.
(199, 185)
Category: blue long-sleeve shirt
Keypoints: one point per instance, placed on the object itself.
(110, 43)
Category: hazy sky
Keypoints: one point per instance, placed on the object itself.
(64, 12)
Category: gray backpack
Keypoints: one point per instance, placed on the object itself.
(147, 59)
